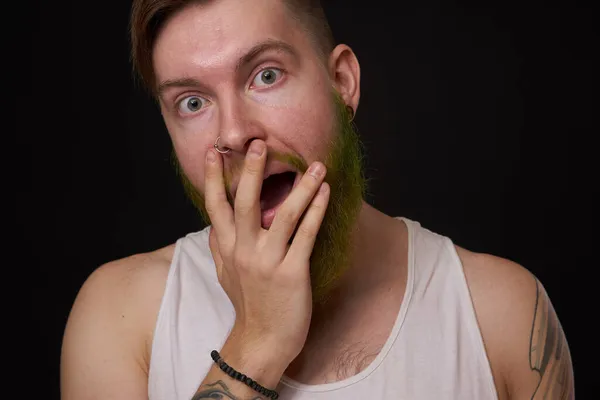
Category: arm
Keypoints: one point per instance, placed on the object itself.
(105, 345)
(526, 345)
(266, 278)
(107, 340)
(260, 365)
(549, 354)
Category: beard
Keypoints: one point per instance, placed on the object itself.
(331, 253)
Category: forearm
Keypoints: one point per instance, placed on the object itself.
(218, 385)
(260, 366)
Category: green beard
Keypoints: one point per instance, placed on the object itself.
(331, 253)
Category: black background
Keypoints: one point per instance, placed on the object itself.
(476, 117)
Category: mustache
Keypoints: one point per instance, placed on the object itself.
(295, 161)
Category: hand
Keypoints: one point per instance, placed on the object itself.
(266, 279)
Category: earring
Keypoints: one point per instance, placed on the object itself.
(350, 111)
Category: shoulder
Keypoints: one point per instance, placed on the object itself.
(132, 274)
(123, 296)
(524, 341)
(497, 284)
(129, 282)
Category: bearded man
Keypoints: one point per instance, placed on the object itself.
(298, 288)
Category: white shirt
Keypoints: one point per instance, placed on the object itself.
(435, 349)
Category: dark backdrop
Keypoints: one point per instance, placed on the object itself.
(476, 116)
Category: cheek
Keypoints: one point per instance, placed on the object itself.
(190, 148)
(310, 130)
(301, 120)
(192, 162)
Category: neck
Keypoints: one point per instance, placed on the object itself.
(375, 246)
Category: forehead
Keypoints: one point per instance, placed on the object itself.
(214, 34)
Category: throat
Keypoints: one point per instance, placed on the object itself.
(275, 190)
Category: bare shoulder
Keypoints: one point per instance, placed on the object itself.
(137, 284)
(109, 331)
(132, 276)
(524, 340)
(132, 288)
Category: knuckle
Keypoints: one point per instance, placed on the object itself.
(210, 209)
(310, 183)
(211, 172)
(287, 215)
(227, 249)
(253, 167)
(317, 210)
(212, 202)
(318, 204)
(241, 260)
(252, 266)
(243, 209)
(263, 271)
(288, 277)
(308, 231)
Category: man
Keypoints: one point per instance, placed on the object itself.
(298, 288)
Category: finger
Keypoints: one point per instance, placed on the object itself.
(304, 240)
(219, 210)
(247, 198)
(293, 207)
(216, 253)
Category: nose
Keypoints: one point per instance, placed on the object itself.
(237, 128)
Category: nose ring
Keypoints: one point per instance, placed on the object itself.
(216, 146)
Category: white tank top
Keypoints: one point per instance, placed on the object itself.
(435, 349)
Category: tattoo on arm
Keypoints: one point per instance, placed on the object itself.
(549, 353)
(219, 391)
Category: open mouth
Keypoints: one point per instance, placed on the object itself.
(275, 190)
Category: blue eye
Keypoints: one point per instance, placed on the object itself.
(267, 77)
(190, 105)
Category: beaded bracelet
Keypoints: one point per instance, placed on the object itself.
(241, 377)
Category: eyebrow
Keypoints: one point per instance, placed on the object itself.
(255, 51)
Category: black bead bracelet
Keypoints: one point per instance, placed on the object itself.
(241, 377)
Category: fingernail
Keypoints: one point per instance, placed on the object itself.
(323, 188)
(316, 170)
(256, 148)
(210, 156)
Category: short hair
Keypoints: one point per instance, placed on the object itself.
(148, 16)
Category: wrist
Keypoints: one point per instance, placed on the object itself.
(262, 363)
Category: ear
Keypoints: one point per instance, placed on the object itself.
(344, 71)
